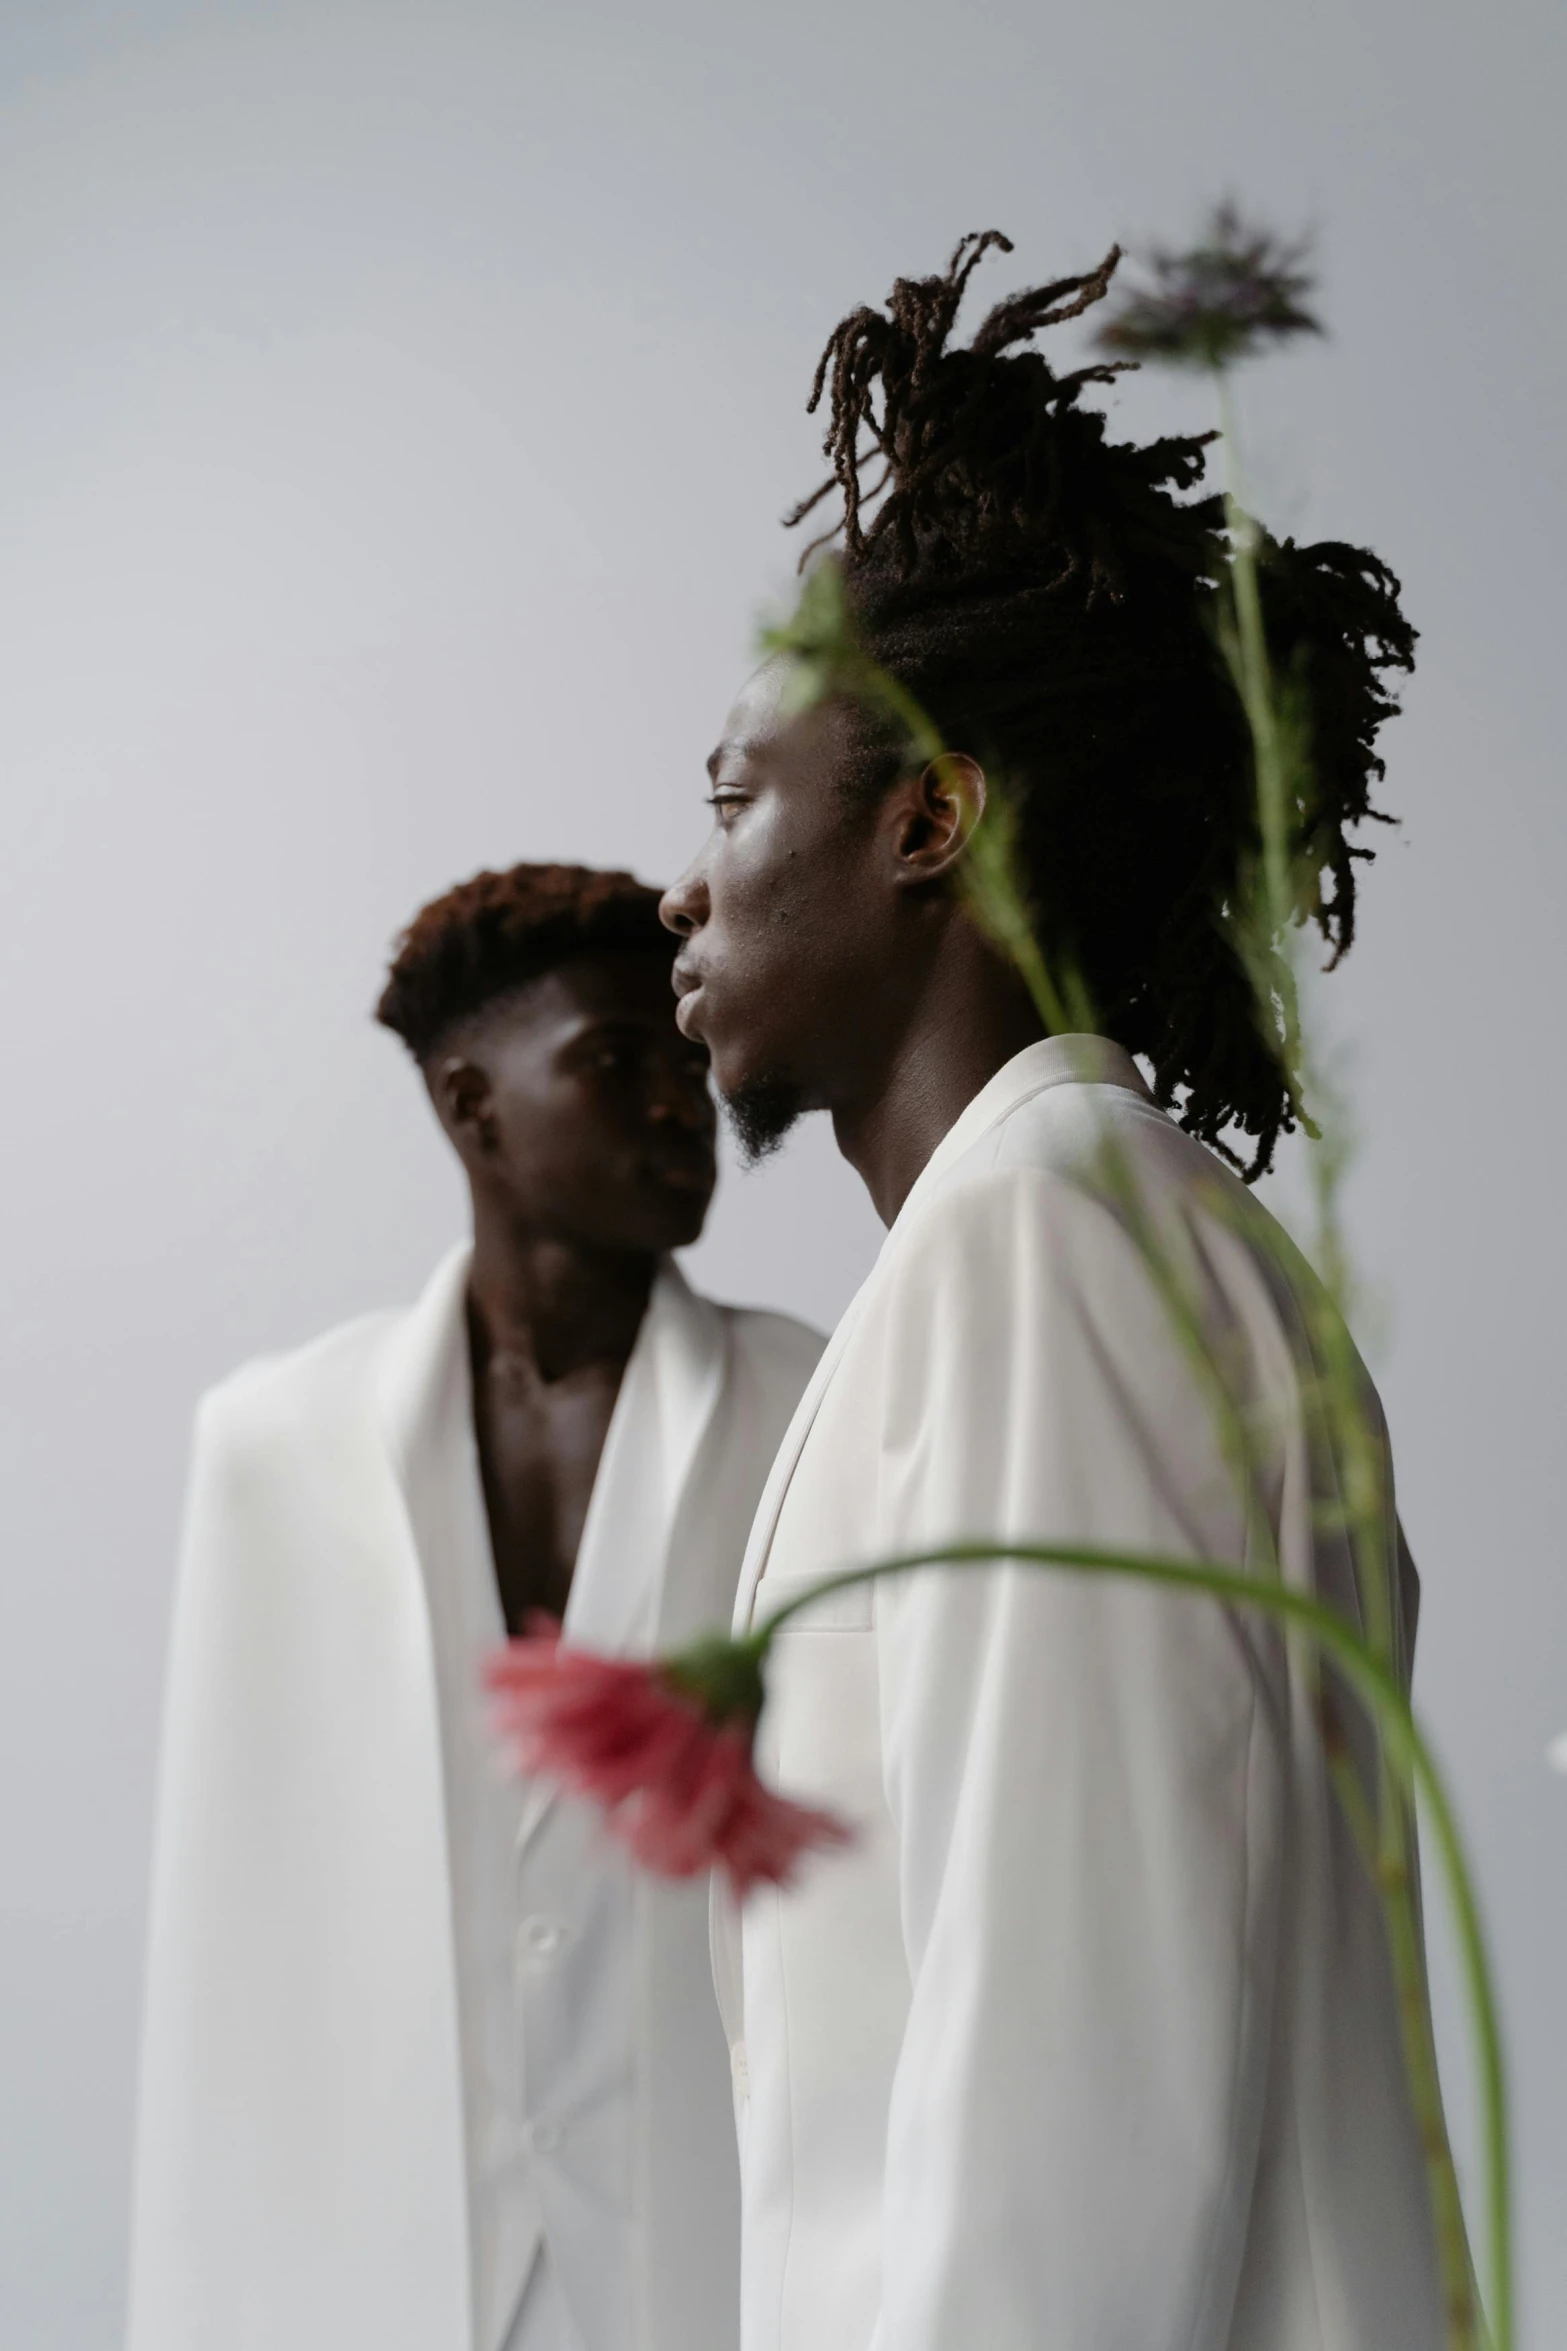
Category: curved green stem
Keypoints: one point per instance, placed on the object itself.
(1374, 1683)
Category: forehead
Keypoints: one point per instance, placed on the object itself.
(758, 713)
(768, 735)
(623, 985)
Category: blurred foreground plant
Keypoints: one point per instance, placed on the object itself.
(1235, 292)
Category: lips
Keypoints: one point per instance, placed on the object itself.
(687, 988)
(684, 1171)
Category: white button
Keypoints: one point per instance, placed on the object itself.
(540, 1938)
(739, 2070)
(540, 2138)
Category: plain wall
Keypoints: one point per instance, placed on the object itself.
(396, 404)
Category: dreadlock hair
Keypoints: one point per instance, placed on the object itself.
(1049, 598)
(490, 936)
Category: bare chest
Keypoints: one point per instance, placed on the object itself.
(539, 1450)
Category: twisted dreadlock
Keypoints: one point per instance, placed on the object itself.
(1049, 598)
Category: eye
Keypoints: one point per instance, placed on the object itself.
(725, 801)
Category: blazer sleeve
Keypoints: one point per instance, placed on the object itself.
(187, 2142)
(300, 2166)
(1086, 1796)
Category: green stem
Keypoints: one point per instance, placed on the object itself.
(1244, 642)
(1254, 680)
(1393, 1879)
(1234, 1433)
(1281, 762)
(1374, 1683)
(1386, 1859)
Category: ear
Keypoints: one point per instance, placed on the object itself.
(460, 1090)
(934, 813)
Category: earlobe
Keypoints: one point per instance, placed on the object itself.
(943, 805)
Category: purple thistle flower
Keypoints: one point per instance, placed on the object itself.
(1232, 294)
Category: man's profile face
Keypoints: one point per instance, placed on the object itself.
(784, 929)
(586, 1108)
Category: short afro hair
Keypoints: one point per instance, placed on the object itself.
(493, 934)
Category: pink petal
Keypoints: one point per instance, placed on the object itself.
(678, 1789)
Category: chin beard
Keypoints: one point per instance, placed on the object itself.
(760, 1113)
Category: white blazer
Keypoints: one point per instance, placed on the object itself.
(301, 2182)
(1091, 2043)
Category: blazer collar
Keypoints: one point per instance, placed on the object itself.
(420, 1355)
(668, 1394)
(1052, 1061)
(667, 1398)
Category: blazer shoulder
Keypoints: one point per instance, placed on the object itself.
(771, 1358)
(988, 1198)
(277, 1397)
(772, 1341)
(1065, 1131)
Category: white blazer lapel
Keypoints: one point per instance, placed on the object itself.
(765, 1523)
(690, 1344)
(417, 1356)
(424, 1362)
(1053, 1061)
(667, 1397)
(668, 1394)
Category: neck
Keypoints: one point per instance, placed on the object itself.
(968, 1018)
(558, 1304)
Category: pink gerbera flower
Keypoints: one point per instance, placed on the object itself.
(665, 1749)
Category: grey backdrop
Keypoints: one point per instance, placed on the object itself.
(395, 407)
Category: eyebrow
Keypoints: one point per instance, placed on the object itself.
(640, 1029)
(600, 1028)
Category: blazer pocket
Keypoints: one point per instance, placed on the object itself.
(848, 1610)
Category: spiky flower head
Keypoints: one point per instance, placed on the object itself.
(1231, 295)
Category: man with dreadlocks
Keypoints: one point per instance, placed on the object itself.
(425, 2067)
(1093, 2042)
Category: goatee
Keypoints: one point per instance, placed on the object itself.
(760, 1114)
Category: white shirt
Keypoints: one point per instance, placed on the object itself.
(485, 1808)
(544, 1918)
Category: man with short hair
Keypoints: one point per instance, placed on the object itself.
(1092, 2043)
(426, 2066)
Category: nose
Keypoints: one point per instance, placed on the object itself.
(683, 907)
(679, 1097)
